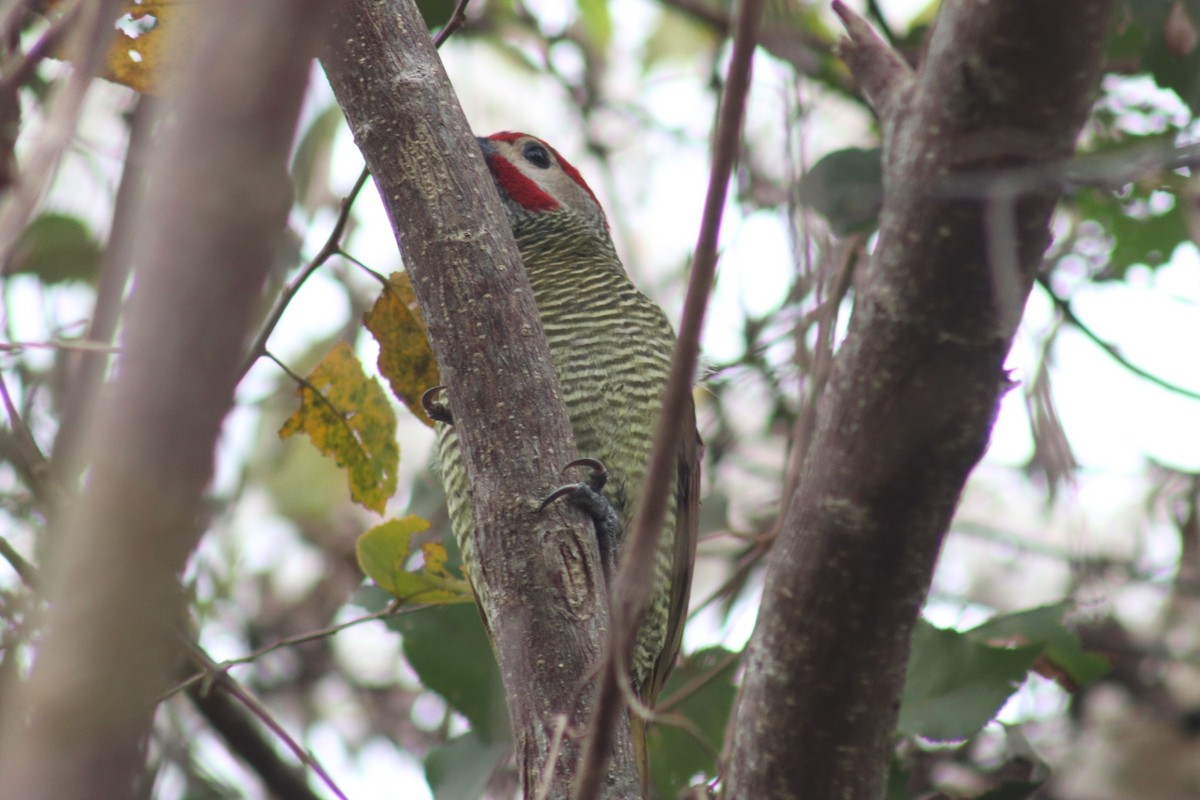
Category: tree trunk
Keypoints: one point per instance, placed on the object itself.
(974, 144)
(541, 590)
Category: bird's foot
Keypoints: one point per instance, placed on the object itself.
(435, 409)
(585, 491)
(588, 496)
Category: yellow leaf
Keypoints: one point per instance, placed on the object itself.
(149, 42)
(435, 558)
(347, 416)
(384, 550)
(405, 357)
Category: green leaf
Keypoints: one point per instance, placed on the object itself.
(449, 649)
(898, 779)
(1171, 65)
(1044, 626)
(845, 187)
(597, 22)
(436, 13)
(348, 417)
(57, 248)
(677, 37)
(956, 685)
(1137, 234)
(675, 755)
(383, 551)
(459, 769)
(1126, 43)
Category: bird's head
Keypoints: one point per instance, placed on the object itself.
(534, 179)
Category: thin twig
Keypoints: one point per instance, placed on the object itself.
(244, 737)
(457, 18)
(78, 345)
(760, 544)
(36, 467)
(685, 724)
(332, 244)
(249, 701)
(379, 276)
(1064, 307)
(331, 248)
(25, 571)
(556, 738)
(699, 682)
(86, 374)
(292, 641)
(19, 69)
(630, 598)
(826, 318)
(342, 416)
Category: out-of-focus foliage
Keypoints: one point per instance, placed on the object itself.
(56, 248)
(696, 704)
(845, 187)
(956, 685)
(1060, 651)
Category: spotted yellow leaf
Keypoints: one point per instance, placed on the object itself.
(150, 42)
(348, 416)
(405, 357)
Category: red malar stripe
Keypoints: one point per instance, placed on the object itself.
(519, 188)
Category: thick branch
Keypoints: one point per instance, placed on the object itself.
(540, 583)
(909, 406)
(216, 200)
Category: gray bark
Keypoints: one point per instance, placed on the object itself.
(972, 144)
(541, 586)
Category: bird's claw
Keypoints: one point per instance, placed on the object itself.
(435, 409)
(599, 472)
(580, 491)
(588, 497)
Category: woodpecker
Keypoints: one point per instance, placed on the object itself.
(611, 347)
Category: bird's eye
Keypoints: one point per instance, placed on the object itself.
(537, 155)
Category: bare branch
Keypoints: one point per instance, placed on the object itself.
(457, 17)
(217, 679)
(211, 690)
(1064, 307)
(85, 374)
(881, 72)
